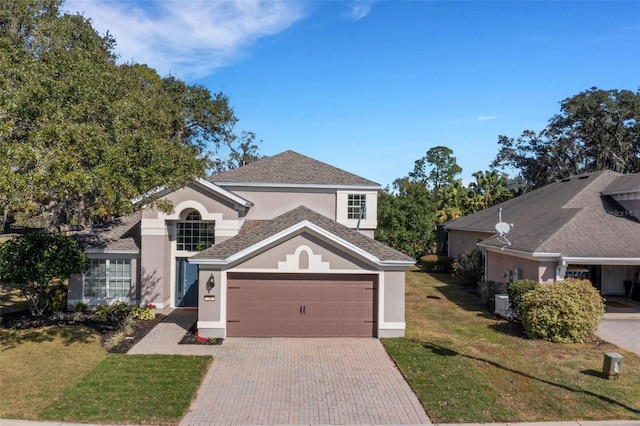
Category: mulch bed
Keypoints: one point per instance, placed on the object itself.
(23, 320)
(190, 338)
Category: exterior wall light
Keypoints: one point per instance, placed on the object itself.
(211, 282)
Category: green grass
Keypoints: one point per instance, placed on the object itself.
(467, 366)
(36, 366)
(138, 389)
(64, 374)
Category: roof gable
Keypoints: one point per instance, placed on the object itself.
(292, 223)
(290, 168)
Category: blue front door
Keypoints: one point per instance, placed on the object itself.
(186, 283)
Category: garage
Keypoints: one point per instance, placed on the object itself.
(301, 305)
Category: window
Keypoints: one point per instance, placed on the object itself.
(194, 234)
(355, 204)
(108, 278)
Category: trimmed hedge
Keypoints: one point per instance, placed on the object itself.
(435, 263)
(564, 312)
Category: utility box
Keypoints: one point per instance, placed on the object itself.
(612, 364)
(502, 307)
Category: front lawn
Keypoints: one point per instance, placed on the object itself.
(63, 373)
(132, 389)
(467, 366)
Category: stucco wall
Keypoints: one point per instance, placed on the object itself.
(499, 263)
(195, 193)
(155, 270)
(270, 203)
(322, 256)
(461, 241)
(392, 321)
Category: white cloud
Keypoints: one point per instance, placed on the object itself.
(358, 9)
(486, 117)
(187, 39)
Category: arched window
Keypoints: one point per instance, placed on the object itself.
(194, 234)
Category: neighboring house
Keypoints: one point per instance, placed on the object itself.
(584, 226)
(280, 247)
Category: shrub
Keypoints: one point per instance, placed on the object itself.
(488, 291)
(435, 263)
(145, 314)
(470, 268)
(58, 298)
(565, 311)
(115, 314)
(516, 290)
(80, 307)
(428, 262)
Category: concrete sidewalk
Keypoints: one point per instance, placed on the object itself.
(5, 422)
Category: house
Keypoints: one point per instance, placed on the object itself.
(279, 247)
(582, 226)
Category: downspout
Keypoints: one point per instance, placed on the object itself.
(483, 250)
(362, 207)
(561, 269)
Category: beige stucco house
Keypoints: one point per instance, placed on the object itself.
(585, 226)
(280, 247)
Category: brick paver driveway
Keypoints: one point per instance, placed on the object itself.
(292, 381)
(304, 381)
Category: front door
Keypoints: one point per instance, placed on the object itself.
(186, 284)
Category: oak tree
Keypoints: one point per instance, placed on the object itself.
(82, 137)
(594, 130)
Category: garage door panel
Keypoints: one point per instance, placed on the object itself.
(299, 305)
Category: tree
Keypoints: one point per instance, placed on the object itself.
(242, 151)
(595, 129)
(443, 171)
(489, 189)
(82, 137)
(32, 262)
(453, 202)
(406, 218)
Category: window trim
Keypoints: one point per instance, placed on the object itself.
(351, 207)
(198, 230)
(98, 262)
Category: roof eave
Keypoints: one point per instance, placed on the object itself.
(305, 224)
(224, 193)
(134, 252)
(601, 260)
(298, 185)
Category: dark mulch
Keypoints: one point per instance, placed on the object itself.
(190, 338)
(23, 320)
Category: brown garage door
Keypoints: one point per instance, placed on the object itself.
(301, 305)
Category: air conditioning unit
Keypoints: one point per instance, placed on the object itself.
(502, 305)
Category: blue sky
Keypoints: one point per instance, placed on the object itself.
(370, 86)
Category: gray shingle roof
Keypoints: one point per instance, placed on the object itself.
(291, 168)
(121, 234)
(570, 217)
(624, 184)
(268, 229)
